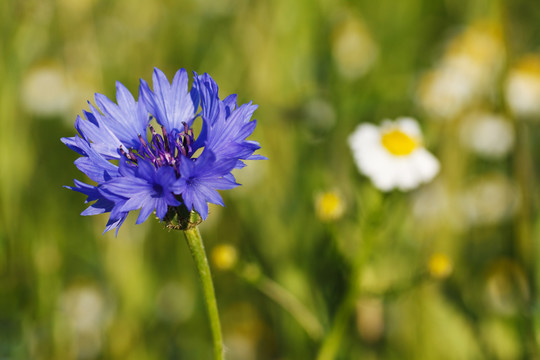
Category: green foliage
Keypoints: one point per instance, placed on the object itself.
(69, 292)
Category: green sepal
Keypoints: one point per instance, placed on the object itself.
(180, 218)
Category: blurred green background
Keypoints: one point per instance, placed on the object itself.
(448, 271)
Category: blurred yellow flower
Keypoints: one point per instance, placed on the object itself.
(329, 206)
(440, 266)
(523, 87)
(224, 257)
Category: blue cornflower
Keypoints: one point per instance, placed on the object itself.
(168, 170)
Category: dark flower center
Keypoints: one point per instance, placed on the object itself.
(158, 189)
(163, 149)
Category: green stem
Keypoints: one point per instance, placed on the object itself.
(285, 299)
(195, 243)
(526, 241)
(332, 341)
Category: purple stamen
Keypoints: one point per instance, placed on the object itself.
(165, 137)
(132, 156)
(128, 155)
(163, 149)
(122, 151)
(145, 150)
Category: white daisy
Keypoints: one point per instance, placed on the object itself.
(523, 87)
(392, 155)
(488, 135)
(467, 72)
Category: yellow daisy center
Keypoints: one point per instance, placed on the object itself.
(398, 143)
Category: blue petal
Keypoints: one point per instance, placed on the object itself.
(161, 209)
(94, 165)
(70, 143)
(115, 222)
(125, 120)
(230, 104)
(126, 186)
(231, 130)
(146, 209)
(102, 138)
(146, 170)
(171, 105)
(208, 92)
(201, 206)
(136, 201)
(211, 195)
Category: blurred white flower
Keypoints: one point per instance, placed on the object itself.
(46, 92)
(84, 309)
(489, 200)
(76, 9)
(435, 207)
(85, 306)
(506, 286)
(319, 116)
(175, 303)
(370, 319)
(467, 72)
(481, 45)
(445, 91)
(217, 8)
(353, 48)
(523, 87)
(488, 135)
(392, 155)
(243, 331)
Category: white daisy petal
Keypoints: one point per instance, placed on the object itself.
(406, 175)
(410, 127)
(426, 164)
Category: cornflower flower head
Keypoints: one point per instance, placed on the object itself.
(161, 166)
